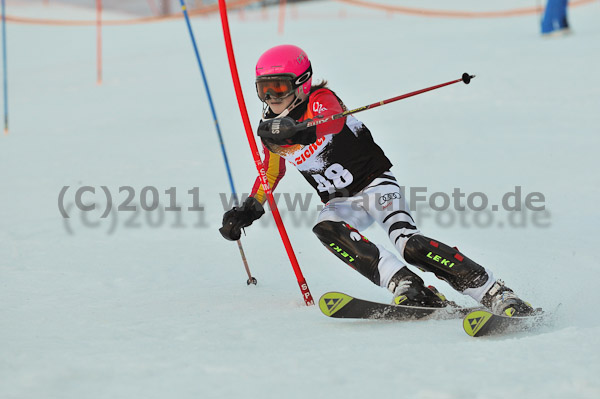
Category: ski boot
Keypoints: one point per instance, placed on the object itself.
(503, 301)
(409, 290)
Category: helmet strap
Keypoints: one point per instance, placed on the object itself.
(297, 101)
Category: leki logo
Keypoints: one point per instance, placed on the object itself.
(334, 247)
(439, 259)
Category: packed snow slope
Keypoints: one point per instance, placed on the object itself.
(154, 303)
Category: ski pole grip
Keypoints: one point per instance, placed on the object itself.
(302, 125)
(467, 78)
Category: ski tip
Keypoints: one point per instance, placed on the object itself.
(332, 302)
(483, 322)
(474, 321)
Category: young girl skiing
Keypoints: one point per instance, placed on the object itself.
(352, 177)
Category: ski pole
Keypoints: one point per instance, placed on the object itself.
(307, 296)
(466, 78)
(251, 280)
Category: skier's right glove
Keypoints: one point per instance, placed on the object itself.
(286, 131)
(235, 219)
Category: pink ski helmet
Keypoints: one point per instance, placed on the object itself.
(283, 70)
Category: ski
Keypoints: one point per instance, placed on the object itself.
(343, 306)
(480, 323)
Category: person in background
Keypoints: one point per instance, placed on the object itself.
(554, 22)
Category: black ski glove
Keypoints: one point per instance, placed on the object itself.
(282, 131)
(235, 219)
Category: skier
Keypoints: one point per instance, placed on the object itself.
(352, 177)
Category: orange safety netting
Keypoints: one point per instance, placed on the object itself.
(455, 14)
(200, 11)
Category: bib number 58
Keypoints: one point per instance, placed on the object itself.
(335, 177)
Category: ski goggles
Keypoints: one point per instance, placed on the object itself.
(274, 86)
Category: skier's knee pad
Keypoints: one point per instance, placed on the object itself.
(445, 262)
(345, 242)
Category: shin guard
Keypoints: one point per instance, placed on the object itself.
(345, 242)
(445, 262)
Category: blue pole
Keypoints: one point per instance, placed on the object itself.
(210, 101)
(251, 280)
(4, 67)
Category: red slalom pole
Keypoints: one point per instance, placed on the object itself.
(466, 79)
(308, 299)
(281, 17)
(99, 40)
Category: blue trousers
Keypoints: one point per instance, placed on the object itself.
(555, 16)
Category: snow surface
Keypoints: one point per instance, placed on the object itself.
(135, 306)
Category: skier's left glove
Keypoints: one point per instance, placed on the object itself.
(235, 219)
(284, 131)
